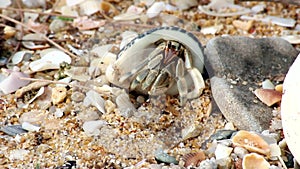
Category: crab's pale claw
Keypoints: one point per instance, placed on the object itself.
(181, 82)
(199, 83)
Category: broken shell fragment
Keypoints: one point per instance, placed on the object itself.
(254, 161)
(251, 142)
(268, 96)
(51, 59)
(193, 159)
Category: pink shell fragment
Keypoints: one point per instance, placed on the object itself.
(13, 82)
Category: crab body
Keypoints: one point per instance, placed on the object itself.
(165, 60)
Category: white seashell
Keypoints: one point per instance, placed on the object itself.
(125, 107)
(30, 127)
(184, 4)
(94, 98)
(134, 10)
(216, 8)
(293, 39)
(222, 151)
(34, 3)
(258, 8)
(267, 84)
(275, 151)
(286, 22)
(20, 56)
(155, 9)
(126, 17)
(69, 11)
(51, 60)
(89, 7)
(92, 127)
(31, 45)
(290, 108)
(72, 2)
(5, 3)
(212, 29)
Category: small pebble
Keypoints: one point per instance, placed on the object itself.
(58, 94)
(56, 25)
(240, 152)
(92, 127)
(267, 84)
(222, 152)
(77, 96)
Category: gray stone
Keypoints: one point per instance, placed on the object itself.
(238, 64)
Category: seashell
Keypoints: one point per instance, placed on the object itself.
(72, 2)
(30, 44)
(13, 130)
(212, 29)
(155, 9)
(89, 7)
(290, 108)
(217, 7)
(251, 141)
(125, 107)
(13, 82)
(18, 57)
(94, 98)
(268, 96)
(222, 151)
(5, 3)
(285, 22)
(190, 131)
(30, 127)
(193, 159)
(258, 8)
(255, 161)
(183, 4)
(293, 39)
(50, 59)
(267, 84)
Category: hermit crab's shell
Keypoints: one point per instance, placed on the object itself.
(136, 51)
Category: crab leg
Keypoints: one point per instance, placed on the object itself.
(181, 82)
(152, 55)
(196, 77)
(163, 80)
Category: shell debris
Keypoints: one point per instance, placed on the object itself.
(251, 141)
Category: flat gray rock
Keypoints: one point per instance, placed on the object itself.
(238, 64)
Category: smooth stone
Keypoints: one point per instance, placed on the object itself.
(230, 61)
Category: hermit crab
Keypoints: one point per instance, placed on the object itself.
(164, 60)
